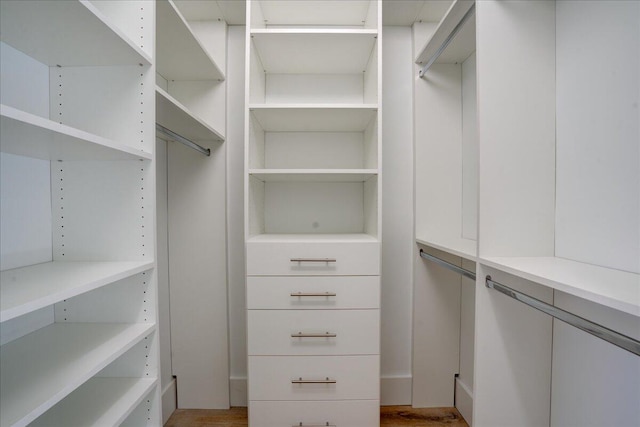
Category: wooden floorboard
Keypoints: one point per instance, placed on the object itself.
(390, 416)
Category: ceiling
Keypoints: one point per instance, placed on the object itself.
(394, 12)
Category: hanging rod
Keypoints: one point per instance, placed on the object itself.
(466, 273)
(613, 337)
(182, 140)
(448, 40)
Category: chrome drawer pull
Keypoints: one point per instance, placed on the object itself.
(325, 381)
(311, 335)
(313, 294)
(313, 260)
(313, 425)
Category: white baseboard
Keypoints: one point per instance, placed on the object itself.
(169, 400)
(464, 401)
(394, 390)
(238, 391)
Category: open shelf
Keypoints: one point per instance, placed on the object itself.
(464, 248)
(180, 55)
(464, 43)
(317, 13)
(313, 51)
(69, 33)
(40, 369)
(173, 115)
(612, 288)
(314, 175)
(304, 238)
(29, 135)
(314, 117)
(27, 289)
(98, 402)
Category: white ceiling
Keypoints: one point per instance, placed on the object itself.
(394, 12)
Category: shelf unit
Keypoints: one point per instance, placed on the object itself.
(312, 199)
(78, 287)
(190, 88)
(446, 198)
(556, 178)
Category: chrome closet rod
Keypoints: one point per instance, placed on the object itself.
(448, 40)
(613, 337)
(466, 273)
(182, 140)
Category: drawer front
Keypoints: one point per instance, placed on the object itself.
(349, 377)
(354, 413)
(313, 259)
(313, 332)
(305, 293)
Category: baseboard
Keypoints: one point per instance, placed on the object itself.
(169, 400)
(238, 391)
(464, 401)
(395, 390)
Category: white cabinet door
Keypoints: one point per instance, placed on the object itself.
(354, 413)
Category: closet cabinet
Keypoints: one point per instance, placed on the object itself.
(541, 196)
(78, 288)
(313, 211)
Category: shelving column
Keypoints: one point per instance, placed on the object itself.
(312, 212)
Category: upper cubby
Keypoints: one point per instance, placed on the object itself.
(180, 53)
(70, 33)
(314, 13)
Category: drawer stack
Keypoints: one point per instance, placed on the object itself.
(313, 333)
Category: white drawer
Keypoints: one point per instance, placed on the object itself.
(313, 258)
(347, 332)
(353, 413)
(296, 293)
(272, 377)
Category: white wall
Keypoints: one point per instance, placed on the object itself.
(397, 215)
(235, 218)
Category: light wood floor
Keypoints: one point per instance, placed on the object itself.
(390, 416)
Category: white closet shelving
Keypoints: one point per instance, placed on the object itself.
(190, 94)
(78, 238)
(312, 209)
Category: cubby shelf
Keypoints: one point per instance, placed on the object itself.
(313, 51)
(27, 289)
(98, 402)
(69, 33)
(42, 368)
(29, 135)
(314, 175)
(314, 117)
(461, 46)
(316, 13)
(605, 286)
(310, 238)
(464, 248)
(173, 115)
(180, 54)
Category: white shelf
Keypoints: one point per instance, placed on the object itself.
(180, 55)
(313, 175)
(314, 117)
(612, 288)
(29, 135)
(24, 290)
(313, 51)
(176, 117)
(42, 368)
(98, 402)
(464, 43)
(464, 248)
(310, 238)
(66, 33)
(327, 12)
